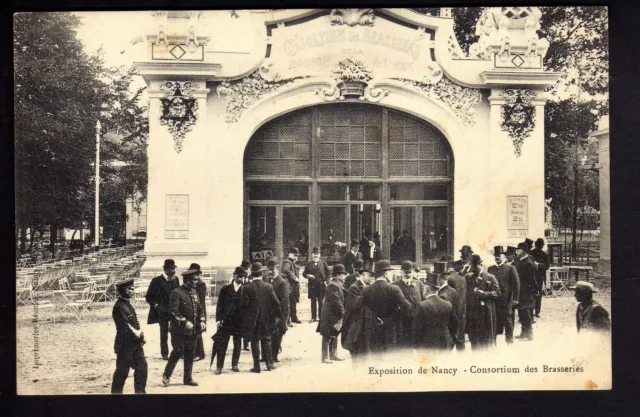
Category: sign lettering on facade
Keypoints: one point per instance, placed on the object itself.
(176, 216)
(517, 216)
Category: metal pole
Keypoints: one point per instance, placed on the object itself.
(97, 225)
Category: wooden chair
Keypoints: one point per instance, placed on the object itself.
(559, 277)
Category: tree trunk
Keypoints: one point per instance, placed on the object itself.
(23, 239)
(33, 235)
(53, 237)
(574, 227)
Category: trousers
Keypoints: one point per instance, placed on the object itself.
(479, 333)
(538, 303)
(526, 317)
(329, 347)
(164, 337)
(316, 307)
(225, 335)
(127, 359)
(265, 344)
(276, 343)
(505, 321)
(183, 347)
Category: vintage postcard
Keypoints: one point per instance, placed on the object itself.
(312, 200)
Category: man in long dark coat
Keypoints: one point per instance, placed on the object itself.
(541, 259)
(186, 322)
(358, 266)
(384, 299)
(283, 291)
(129, 341)
(352, 256)
(158, 295)
(434, 322)
(590, 315)
(229, 321)
(317, 272)
(458, 283)
(201, 290)
(509, 283)
(356, 335)
(526, 268)
(266, 319)
(291, 272)
(412, 291)
(332, 315)
(448, 293)
(482, 291)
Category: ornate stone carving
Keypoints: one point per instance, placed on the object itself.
(243, 93)
(352, 17)
(454, 49)
(179, 110)
(461, 100)
(352, 79)
(518, 116)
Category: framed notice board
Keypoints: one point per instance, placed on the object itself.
(517, 216)
(176, 223)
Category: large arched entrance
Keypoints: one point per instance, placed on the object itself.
(326, 175)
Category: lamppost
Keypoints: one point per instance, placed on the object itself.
(97, 219)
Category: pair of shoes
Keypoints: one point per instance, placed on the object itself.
(191, 383)
(246, 348)
(218, 371)
(263, 360)
(289, 325)
(537, 315)
(197, 358)
(235, 369)
(275, 359)
(525, 338)
(271, 367)
(255, 370)
(165, 380)
(312, 320)
(165, 358)
(296, 321)
(533, 321)
(336, 358)
(327, 361)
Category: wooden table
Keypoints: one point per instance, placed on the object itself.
(580, 268)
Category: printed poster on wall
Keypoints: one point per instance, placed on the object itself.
(517, 216)
(177, 216)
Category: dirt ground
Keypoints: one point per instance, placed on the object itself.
(77, 358)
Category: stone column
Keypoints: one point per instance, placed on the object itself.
(604, 263)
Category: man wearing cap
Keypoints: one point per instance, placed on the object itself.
(352, 256)
(267, 317)
(291, 272)
(412, 291)
(186, 322)
(317, 272)
(201, 290)
(129, 341)
(333, 312)
(590, 315)
(459, 283)
(434, 323)
(526, 268)
(541, 259)
(465, 257)
(357, 266)
(158, 295)
(283, 291)
(384, 300)
(509, 283)
(482, 291)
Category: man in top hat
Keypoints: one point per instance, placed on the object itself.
(187, 321)
(465, 257)
(445, 291)
(482, 291)
(157, 296)
(384, 300)
(355, 337)
(511, 254)
(267, 318)
(541, 259)
(590, 315)
(229, 320)
(201, 290)
(509, 283)
(458, 283)
(435, 322)
(283, 291)
(529, 244)
(412, 291)
(291, 272)
(332, 314)
(317, 272)
(129, 341)
(526, 268)
(352, 256)
(357, 266)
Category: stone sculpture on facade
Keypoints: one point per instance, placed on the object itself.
(352, 17)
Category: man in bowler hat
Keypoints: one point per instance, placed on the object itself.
(317, 272)
(283, 291)
(482, 292)
(291, 272)
(157, 296)
(526, 268)
(187, 321)
(458, 283)
(201, 290)
(590, 315)
(413, 292)
(358, 266)
(332, 314)
(465, 257)
(129, 341)
(541, 259)
(229, 321)
(352, 256)
(509, 283)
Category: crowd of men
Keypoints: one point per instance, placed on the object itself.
(363, 303)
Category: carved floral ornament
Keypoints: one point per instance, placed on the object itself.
(352, 79)
(179, 110)
(352, 17)
(518, 116)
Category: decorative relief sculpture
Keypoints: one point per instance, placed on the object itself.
(179, 110)
(518, 116)
(352, 79)
(352, 17)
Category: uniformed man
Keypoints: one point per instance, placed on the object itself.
(509, 283)
(129, 341)
(332, 315)
(291, 272)
(526, 268)
(187, 321)
(229, 321)
(158, 294)
(283, 291)
(590, 315)
(316, 271)
(541, 259)
(412, 290)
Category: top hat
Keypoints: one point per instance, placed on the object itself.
(169, 263)
(358, 265)
(467, 247)
(240, 271)
(432, 280)
(194, 266)
(439, 267)
(272, 263)
(528, 242)
(354, 242)
(539, 242)
(523, 246)
(383, 265)
(191, 273)
(407, 266)
(295, 251)
(314, 250)
(498, 250)
(124, 283)
(511, 250)
(338, 269)
(476, 260)
(257, 268)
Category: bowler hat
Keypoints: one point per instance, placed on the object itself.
(585, 287)
(124, 283)
(458, 265)
(383, 265)
(439, 267)
(476, 260)
(257, 268)
(294, 250)
(194, 266)
(467, 247)
(539, 242)
(338, 269)
(407, 266)
(314, 250)
(523, 246)
(272, 263)
(191, 273)
(354, 242)
(240, 271)
(528, 242)
(358, 265)
(498, 250)
(169, 263)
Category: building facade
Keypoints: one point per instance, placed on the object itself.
(271, 129)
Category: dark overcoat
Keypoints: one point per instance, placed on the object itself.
(591, 316)
(332, 314)
(201, 289)
(283, 291)
(349, 259)
(291, 272)
(320, 271)
(449, 294)
(434, 323)
(159, 292)
(267, 308)
(229, 309)
(542, 258)
(185, 306)
(124, 315)
(528, 286)
(459, 284)
(509, 282)
(249, 310)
